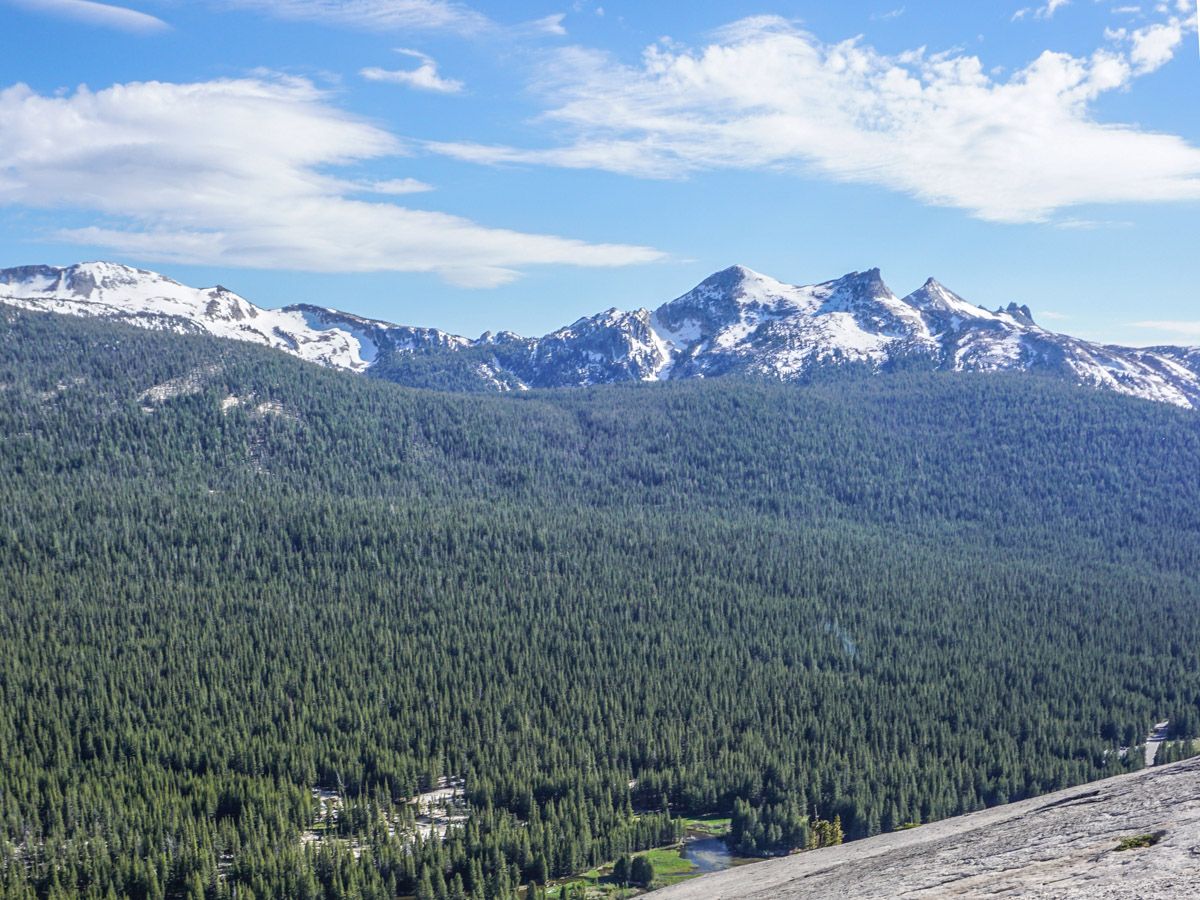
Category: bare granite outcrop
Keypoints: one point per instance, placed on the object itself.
(1062, 845)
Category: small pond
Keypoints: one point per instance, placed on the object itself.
(707, 854)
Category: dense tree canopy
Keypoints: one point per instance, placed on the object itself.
(228, 578)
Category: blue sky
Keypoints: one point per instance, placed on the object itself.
(517, 165)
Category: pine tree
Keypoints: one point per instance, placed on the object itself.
(641, 871)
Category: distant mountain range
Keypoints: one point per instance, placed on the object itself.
(736, 321)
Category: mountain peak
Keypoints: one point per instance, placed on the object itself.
(739, 270)
(104, 267)
(1021, 313)
(869, 282)
(935, 297)
(728, 280)
(85, 281)
(742, 283)
(727, 295)
(858, 290)
(104, 273)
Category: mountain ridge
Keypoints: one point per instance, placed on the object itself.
(735, 321)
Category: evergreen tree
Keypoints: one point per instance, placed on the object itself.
(641, 871)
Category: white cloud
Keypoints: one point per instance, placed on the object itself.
(103, 14)
(236, 172)
(767, 95)
(375, 15)
(1155, 46)
(397, 186)
(1040, 12)
(424, 77)
(1077, 224)
(399, 15)
(552, 24)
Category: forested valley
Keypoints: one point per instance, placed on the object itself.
(231, 581)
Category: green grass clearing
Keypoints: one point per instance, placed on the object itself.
(714, 826)
(667, 861)
(669, 868)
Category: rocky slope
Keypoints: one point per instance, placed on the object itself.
(1062, 845)
(735, 322)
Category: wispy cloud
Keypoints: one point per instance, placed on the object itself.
(1040, 12)
(238, 172)
(424, 77)
(1077, 224)
(768, 95)
(400, 15)
(397, 186)
(552, 24)
(103, 14)
(375, 15)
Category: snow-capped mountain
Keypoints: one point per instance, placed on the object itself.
(734, 322)
(112, 291)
